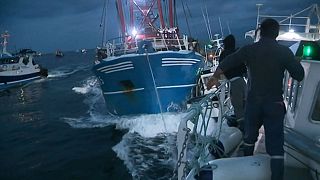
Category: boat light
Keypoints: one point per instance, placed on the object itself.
(134, 32)
(307, 51)
(311, 51)
(291, 35)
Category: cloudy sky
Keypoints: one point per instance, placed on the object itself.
(47, 25)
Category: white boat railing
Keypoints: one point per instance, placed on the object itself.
(200, 115)
(116, 48)
(295, 27)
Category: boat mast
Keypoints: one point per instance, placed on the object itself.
(131, 15)
(143, 17)
(5, 35)
(185, 15)
(103, 21)
(258, 16)
(145, 21)
(171, 13)
(160, 14)
(175, 17)
(121, 16)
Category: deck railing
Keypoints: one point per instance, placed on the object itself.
(294, 27)
(117, 46)
(200, 114)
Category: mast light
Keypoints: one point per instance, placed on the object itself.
(134, 32)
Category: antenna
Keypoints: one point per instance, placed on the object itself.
(258, 16)
(5, 35)
(221, 27)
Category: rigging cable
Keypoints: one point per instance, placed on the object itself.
(155, 88)
(206, 23)
(228, 27)
(102, 21)
(165, 12)
(175, 13)
(209, 26)
(185, 15)
(187, 6)
(221, 27)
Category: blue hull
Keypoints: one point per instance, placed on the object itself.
(130, 86)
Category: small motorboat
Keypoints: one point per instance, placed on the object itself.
(19, 68)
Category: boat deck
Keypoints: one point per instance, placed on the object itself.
(291, 173)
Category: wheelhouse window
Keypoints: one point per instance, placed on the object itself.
(11, 60)
(315, 116)
(25, 60)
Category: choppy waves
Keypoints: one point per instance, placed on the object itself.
(95, 116)
(147, 158)
(148, 148)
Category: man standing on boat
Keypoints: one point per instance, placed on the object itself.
(266, 61)
(237, 83)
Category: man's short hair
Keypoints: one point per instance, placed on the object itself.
(269, 28)
(229, 42)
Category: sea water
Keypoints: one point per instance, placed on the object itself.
(59, 128)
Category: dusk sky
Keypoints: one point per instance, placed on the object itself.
(48, 25)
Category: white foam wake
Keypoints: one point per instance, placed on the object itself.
(96, 114)
(64, 72)
(60, 73)
(91, 121)
(89, 85)
(151, 125)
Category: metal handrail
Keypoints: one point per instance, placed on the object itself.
(199, 114)
(288, 23)
(159, 44)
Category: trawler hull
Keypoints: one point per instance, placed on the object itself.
(148, 83)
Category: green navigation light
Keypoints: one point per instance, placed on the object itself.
(307, 51)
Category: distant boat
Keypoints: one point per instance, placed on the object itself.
(19, 68)
(59, 53)
(83, 51)
(154, 69)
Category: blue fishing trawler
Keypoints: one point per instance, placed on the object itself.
(152, 70)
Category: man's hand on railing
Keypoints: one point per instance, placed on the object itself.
(213, 81)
